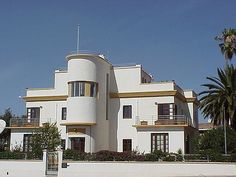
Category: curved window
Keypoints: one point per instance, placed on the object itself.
(82, 88)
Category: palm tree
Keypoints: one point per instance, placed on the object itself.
(227, 43)
(220, 97)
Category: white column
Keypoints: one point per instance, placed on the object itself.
(45, 160)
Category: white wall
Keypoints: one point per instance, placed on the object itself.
(81, 110)
(22, 168)
(17, 136)
(176, 139)
(16, 140)
(146, 169)
(128, 79)
(142, 108)
(60, 83)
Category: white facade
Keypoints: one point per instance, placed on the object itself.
(101, 107)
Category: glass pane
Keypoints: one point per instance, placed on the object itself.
(81, 89)
(76, 89)
(127, 111)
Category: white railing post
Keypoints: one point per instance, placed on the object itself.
(60, 159)
(45, 161)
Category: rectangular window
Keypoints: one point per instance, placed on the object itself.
(127, 112)
(176, 110)
(27, 140)
(76, 88)
(33, 113)
(63, 114)
(63, 144)
(92, 89)
(127, 145)
(82, 88)
(160, 141)
(163, 109)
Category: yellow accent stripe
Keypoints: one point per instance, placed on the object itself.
(159, 126)
(174, 93)
(22, 127)
(78, 123)
(119, 95)
(45, 98)
(143, 94)
(193, 100)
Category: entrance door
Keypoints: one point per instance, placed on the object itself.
(78, 144)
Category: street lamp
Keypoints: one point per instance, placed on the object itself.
(225, 130)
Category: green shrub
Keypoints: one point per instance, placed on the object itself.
(105, 155)
(155, 156)
(134, 156)
(75, 155)
(12, 155)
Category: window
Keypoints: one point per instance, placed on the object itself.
(63, 144)
(78, 144)
(33, 113)
(176, 109)
(27, 140)
(82, 88)
(160, 141)
(127, 145)
(127, 112)
(63, 114)
(163, 109)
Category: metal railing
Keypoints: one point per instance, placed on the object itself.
(163, 120)
(24, 122)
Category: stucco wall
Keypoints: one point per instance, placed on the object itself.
(19, 168)
(142, 169)
(144, 109)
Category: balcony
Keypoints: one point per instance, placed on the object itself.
(162, 120)
(24, 122)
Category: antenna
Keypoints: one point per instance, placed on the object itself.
(77, 48)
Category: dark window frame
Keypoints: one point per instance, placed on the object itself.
(63, 144)
(157, 142)
(63, 113)
(127, 145)
(78, 89)
(27, 140)
(127, 111)
(164, 109)
(34, 112)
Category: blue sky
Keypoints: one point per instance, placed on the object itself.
(172, 39)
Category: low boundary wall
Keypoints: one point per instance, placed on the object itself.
(29, 168)
(22, 168)
(146, 169)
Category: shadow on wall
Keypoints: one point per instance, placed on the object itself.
(114, 104)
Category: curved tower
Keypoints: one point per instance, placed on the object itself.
(87, 97)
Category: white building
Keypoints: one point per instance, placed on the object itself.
(98, 106)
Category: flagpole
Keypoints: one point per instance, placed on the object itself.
(77, 47)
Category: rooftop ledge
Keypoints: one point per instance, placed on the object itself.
(83, 55)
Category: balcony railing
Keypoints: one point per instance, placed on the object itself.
(24, 122)
(163, 120)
